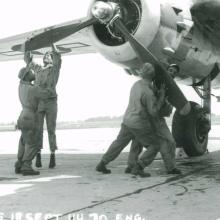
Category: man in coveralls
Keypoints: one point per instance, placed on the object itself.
(142, 122)
(29, 96)
(47, 77)
(165, 111)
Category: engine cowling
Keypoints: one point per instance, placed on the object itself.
(141, 17)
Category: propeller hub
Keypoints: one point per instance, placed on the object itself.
(105, 11)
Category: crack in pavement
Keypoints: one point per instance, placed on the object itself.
(169, 180)
(182, 193)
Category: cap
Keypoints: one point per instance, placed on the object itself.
(146, 69)
(48, 52)
(22, 73)
(175, 66)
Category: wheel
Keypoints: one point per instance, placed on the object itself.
(191, 131)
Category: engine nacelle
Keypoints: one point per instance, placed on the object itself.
(141, 17)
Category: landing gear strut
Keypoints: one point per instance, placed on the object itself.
(191, 131)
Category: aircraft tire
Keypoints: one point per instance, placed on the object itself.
(190, 131)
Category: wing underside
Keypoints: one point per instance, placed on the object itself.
(77, 43)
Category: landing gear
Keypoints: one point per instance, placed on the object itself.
(191, 131)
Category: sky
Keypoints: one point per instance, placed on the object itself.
(89, 85)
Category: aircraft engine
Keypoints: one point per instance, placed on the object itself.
(141, 17)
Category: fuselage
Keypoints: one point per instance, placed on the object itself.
(169, 34)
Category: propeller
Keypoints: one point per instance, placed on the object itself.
(175, 95)
(52, 35)
(109, 13)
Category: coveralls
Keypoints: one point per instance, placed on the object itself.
(29, 96)
(140, 123)
(47, 77)
(136, 147)
(135, 150)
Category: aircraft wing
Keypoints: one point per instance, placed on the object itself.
(206, 18)
(78, 43)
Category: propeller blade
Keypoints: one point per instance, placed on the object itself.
(175, 95)
(52, 35)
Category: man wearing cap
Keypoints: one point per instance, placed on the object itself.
(47, 77)
(29, 96)
(165, 111)
(142, 123)
(173, 69)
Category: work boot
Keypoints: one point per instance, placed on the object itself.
(139, 171)
(102, 168)
(38, 160)
(52, 163)
(174, 171)
(30, 172)
(18, 167)
(128, 169)
(18, 170)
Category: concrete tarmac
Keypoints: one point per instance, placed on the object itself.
(74, 190)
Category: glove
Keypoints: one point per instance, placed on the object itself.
(166, 109)
(28, 57)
